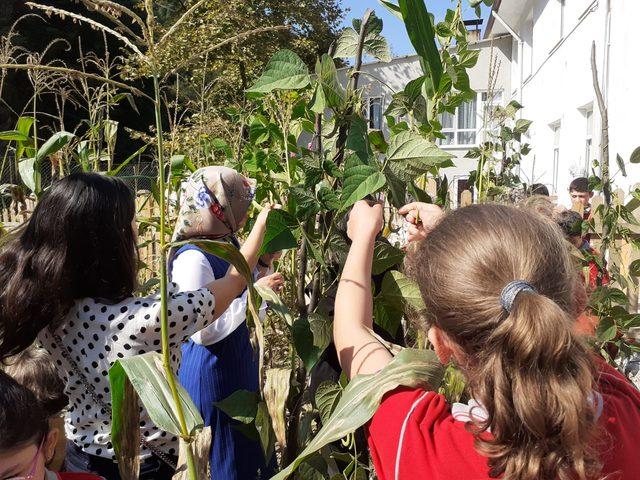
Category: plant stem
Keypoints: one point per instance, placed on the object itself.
(164, 323)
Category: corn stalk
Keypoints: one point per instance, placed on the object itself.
(111, 11)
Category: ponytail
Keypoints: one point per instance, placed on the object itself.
(522, 361)
(535, 379)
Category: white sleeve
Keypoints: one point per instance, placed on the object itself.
(191, 271)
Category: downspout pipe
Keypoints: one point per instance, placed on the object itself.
(518, 38)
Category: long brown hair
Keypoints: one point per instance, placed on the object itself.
(527, 368)
(78, 243)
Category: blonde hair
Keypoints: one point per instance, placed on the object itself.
(527, 368)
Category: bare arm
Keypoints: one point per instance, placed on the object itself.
(359, 352)
(231, 285)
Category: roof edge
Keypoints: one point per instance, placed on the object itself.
(491, 20)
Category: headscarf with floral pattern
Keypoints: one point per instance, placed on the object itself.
(214, 202)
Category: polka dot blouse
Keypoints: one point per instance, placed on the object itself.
(96, 334)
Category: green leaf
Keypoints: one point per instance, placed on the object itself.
(56, 142)
(375, 45)
(398, 291)
(411, 155)
(522, 125)
(275, 303)
(357, 139)
(310, 340)
(635, 156)
(328, 198)
(376, 138)
(634, 268)
(279, 235)
(386, 317)
(265, 430)
(421, 33)
(125, 422)
(285, 71)
(28, 173)
(362, 397)
(606, 330)
(24, 125)
(385, 256)
(306, 202)
(334, 93)
(241, 405)
(83, 147)
(147, 376)
(360, 181)
(327, 397)
(13, 136)
(393, 8)
(620, 162)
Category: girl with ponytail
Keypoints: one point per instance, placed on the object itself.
(499, 288)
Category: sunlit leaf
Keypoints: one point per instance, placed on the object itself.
(635, 156)
(57, 141)
(275, 303)
(13, 136)
(285, 71)
(276, 393)
(147, 376)
(362, 397)
(28, 173)
(421, 33)
(360, 181)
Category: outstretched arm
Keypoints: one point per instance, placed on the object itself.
(359, 351)
(231, 285)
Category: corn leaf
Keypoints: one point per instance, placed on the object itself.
(362, 397)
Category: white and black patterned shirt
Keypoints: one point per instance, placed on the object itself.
(96, 334)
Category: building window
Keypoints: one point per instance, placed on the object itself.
(460, 128)
(556, 154)
(467, 125)
(375, 113)
(588, 142)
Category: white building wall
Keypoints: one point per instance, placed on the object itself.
(558, 89)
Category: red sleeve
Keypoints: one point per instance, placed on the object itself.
(620, 417)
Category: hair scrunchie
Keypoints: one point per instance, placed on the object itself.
(511, 291)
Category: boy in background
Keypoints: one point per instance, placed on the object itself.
(580, 193)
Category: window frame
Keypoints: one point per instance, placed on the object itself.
(479, 130)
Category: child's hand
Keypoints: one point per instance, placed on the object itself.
(365, 221)
(275, 281)
(422, 219)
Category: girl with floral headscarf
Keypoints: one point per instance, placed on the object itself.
(218, 361)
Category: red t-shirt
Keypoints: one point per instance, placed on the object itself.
(438, 447)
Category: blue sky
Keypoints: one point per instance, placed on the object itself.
(394, 29)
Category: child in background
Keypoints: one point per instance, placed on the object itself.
(502, 307)
(581, 194)
(34, 369)
(27, 444)
(570, 223)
